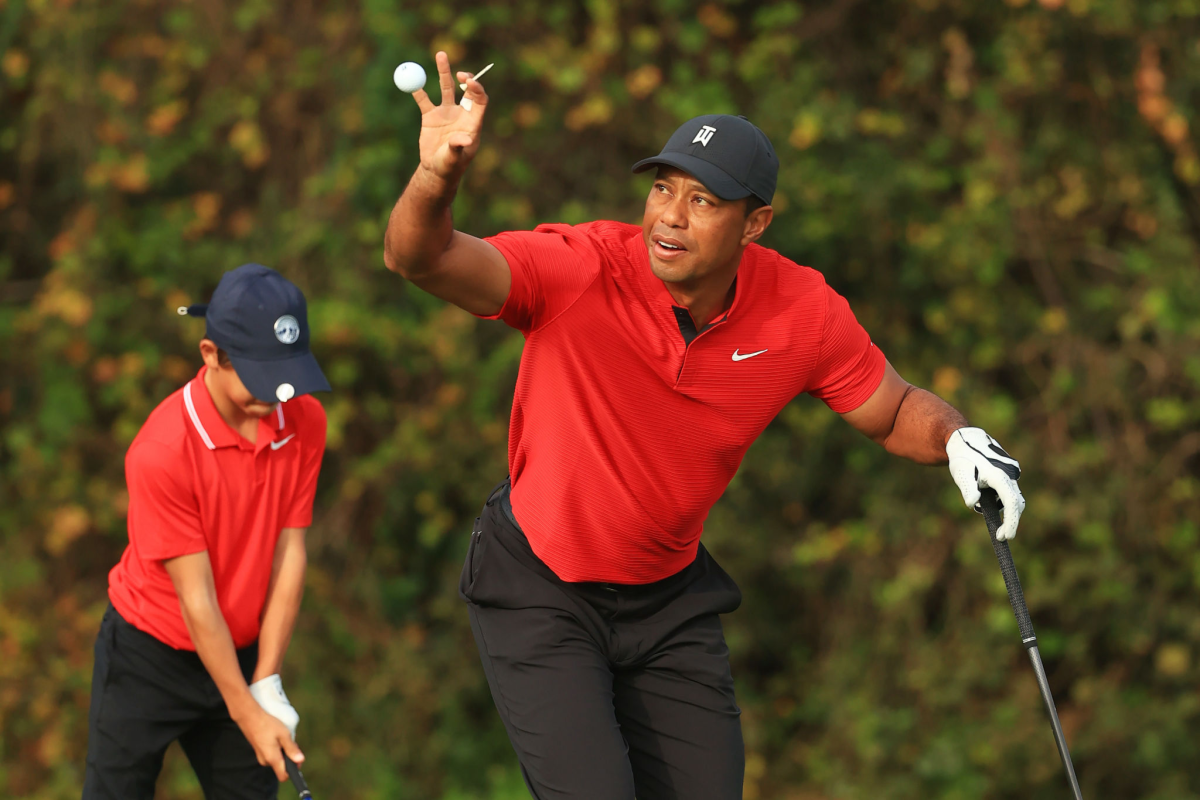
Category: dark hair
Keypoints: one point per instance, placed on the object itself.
(223, 358)
(754, 203)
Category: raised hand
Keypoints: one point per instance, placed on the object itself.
(450, 133)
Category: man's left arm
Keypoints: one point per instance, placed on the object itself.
(918, 425)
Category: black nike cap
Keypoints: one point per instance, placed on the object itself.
(728, 154)
(260, 319)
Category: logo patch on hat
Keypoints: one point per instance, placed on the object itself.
(704, 135)
(287, 330)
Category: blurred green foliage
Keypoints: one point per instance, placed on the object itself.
(1008, 192)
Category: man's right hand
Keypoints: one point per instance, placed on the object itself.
(449, 133)
(270, 739)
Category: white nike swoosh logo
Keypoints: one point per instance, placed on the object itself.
(742, 357)
(282, 442)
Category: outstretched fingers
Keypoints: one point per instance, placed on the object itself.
(478, 97)
(445, 77)
(423, 102)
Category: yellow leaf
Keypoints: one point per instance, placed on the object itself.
(1172, 660)
(133, 176)
(454, 50)
(246, 137)
(643, 80)
(15, 64)
(118, 87)
(527, 115)
(596, 110)
(67, 524)
(207, 207)
(946, 381)
(164, 118)
(717, 21)
(1054, 320)
(806, 131)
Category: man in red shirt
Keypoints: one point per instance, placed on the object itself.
(654, 357)
(221, 481)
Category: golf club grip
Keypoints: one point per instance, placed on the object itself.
(297, 778)
(989, 501)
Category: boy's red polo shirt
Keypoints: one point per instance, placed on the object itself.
(195, 484)
(622, 435)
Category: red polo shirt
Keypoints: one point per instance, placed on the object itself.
(195, 484)
(623, 436)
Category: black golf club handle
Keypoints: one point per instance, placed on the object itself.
(297, 778)
(989, 501)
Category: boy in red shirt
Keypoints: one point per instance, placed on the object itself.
(221, 481)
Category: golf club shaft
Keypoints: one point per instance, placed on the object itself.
(990, 503)
(1059, 739)
(297, 778)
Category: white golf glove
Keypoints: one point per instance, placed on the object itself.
(977, 462)
(269, 694)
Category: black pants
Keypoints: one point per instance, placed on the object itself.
(145, 695)
(607, 691)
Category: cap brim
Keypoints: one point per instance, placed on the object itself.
(263, 378)
(715, 179)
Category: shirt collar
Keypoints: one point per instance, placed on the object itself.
(273, 428)
(213, 431)
(212, 428)
(660, 292)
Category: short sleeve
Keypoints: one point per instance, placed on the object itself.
(551, 267)
(164, 515)
(312, 451)
(850, 367)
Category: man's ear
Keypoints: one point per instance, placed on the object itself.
(756, 224)
(208, 351)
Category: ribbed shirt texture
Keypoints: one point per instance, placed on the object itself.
(622, 437)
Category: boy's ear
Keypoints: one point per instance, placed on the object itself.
(208, 351)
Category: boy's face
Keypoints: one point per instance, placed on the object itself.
(226, 381)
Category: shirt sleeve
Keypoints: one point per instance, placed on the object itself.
(551, 267)
(164, 515)
(312, 451)
(850, 367)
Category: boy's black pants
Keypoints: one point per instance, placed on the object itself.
(607, 691)
(145, 695)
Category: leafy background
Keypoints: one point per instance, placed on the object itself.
(1008, 192)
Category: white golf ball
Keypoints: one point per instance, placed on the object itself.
(409, 77)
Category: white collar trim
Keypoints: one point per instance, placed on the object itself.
(191, 409)
(279, 413)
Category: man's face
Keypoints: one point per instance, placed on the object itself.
(226, 381)
(690, 232)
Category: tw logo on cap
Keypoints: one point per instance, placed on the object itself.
(704, 135)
